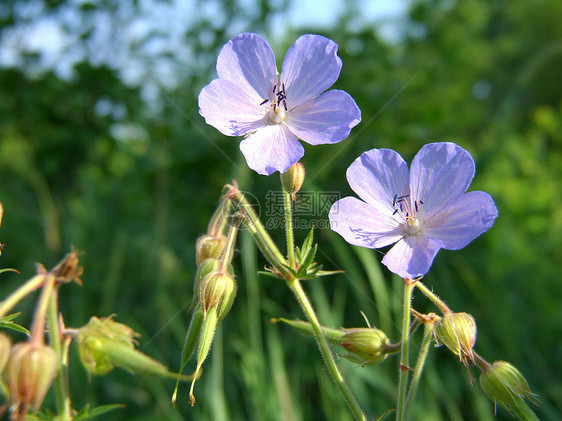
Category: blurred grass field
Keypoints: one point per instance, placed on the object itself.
(132, 183)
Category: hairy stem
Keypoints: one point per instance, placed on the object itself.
(409, 285)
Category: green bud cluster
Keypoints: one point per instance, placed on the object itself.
(214, 289)
(457, 331)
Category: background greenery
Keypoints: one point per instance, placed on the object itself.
(103, 148)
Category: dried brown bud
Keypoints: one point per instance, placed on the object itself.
(29, 374)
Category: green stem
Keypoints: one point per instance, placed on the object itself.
(296, 287)
(433, 297)
(422, 357)
(260, 234)
(20, 293)
(289, 229)
(409, 285)
(38, 326)
(228, 252)
(61, 380)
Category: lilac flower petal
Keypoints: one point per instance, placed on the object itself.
(271, 148)
(310, 67)
(356, 222)
(463, 220)
(412, 257)
(325, 119)
(229, 109)
(440, 173)
(377, 176)
(248, 61)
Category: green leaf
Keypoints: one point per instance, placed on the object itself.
(7, 323)
(86, 412)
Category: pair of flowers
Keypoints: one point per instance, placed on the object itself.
(422, 209)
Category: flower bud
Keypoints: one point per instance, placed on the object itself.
(29, 374)
(207, 266)
(104, 344)
(95, 336)
(457, 331)
(293, 178)
(218, 289)
(504, 384)
(366, 346)
(5, 345)
(209, 246)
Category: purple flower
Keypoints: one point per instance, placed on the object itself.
(251, 99)
(422, 210)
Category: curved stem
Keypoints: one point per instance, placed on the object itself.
(260, 234)
(20, 293)
(409, 285)
(433, 297)
(296, 287)
(38, 326)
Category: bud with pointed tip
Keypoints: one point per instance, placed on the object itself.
(457, 331)
(366, 346)
(207, 266)
(29, 374)
(104, 344)
(293, 178)
(209, 247)
(218, 289)
(505, 385)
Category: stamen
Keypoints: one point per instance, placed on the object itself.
(264, 101)
(395, 211)
(394, 202)
(416, 205)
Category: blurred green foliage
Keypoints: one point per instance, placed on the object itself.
(128, 172)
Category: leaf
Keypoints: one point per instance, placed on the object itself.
(86, 412)
(7, 323)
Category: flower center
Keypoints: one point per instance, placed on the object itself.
(278, 105)
(407, 210)
(412, 225)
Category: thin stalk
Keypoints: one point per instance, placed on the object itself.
(62, 390)
(20, 293)
(289, 229)
(297, 289)
(38, 325)
(409, 285)
(260, 234)
(228, 252)
(295, 286)
(433, 297)
(422, 357)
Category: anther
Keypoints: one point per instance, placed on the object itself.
(264, 101)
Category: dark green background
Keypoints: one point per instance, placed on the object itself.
(484, 74)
